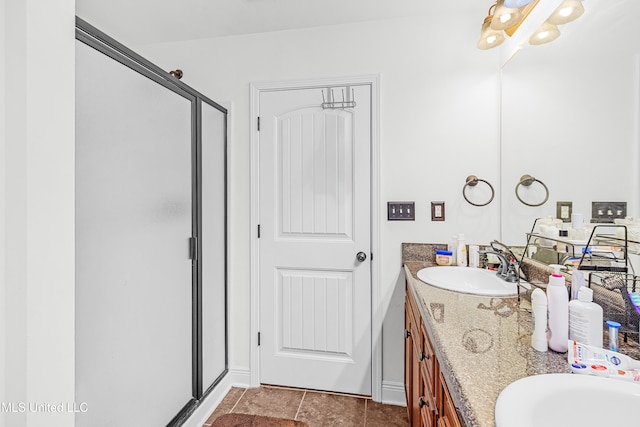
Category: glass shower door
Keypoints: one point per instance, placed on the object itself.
(133, 224)
(213, 258)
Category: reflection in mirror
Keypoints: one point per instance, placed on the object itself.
(570, 117)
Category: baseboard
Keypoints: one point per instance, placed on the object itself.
(237, 377)
(393, 393)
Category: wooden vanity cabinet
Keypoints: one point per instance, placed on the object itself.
(428, 401)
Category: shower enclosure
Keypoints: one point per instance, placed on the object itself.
(151, 313)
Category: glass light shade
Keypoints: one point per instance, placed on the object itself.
(516, 3)
(568, 11)
(545, 34)
(503, 17)
(489, 38)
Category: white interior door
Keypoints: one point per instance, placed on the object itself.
(315, 295)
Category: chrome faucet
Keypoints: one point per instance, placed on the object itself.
(508, 270)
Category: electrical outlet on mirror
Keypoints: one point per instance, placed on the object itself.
(571, 117)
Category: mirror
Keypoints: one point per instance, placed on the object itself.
(570, 118)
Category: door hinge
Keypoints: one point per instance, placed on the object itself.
(258, 231)
(371, 258)
(258, 123)
(258, 338)
(193, 248)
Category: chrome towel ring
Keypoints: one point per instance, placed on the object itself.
(527, 180)
(472, 181)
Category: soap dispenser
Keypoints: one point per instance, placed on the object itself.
(558, 306)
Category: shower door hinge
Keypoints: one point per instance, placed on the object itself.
(258, 338)
(258, 123)
(193, 248)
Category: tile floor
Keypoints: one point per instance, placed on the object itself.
(317, 409)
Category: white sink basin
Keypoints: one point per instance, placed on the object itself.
(568, 400)
(467, 280)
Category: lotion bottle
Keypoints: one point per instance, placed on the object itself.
(585, 319)
(461, 253)
(558, 303)
(539, 312)
(453, 248)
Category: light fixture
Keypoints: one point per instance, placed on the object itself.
(489, 37)
(516, 3)
(504, 17)
(545, 34)
(568, 11)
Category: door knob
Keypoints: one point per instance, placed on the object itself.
(361, 256)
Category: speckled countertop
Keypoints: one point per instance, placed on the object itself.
(482, 343)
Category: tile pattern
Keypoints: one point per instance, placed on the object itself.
(317, 409)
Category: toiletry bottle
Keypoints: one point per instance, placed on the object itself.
(461, 253)
(614, 329)
(558, 303)
(585, 319)
(577, 281)
(539, 312)
(474, 256)
(452, 246)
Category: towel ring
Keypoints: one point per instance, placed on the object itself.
(527, 180)
(472, 181)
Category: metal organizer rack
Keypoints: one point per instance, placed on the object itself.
(605, 257)
(600, 252)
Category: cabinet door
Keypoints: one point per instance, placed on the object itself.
(448, 409)
(408, 362)
(417, 388)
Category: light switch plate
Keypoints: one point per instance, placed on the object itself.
(437, 211)
(606, 212)
(401, 211)
(564, 210)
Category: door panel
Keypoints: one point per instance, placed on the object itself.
(133, 221)
(315, 174)
(315, 217)
(315, 313)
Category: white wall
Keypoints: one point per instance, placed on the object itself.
(3, 240)
(38, 209)
(439, 123)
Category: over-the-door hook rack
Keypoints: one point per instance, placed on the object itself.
(472, 181)
(332, 103)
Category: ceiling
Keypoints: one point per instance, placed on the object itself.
(139, 22)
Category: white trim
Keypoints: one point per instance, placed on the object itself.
(376, 307)
(393, 393)
(235, 378)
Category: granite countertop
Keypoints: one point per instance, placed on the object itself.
(482, 343)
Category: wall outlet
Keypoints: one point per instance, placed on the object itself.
(437, 211)
(606, 212)
(401, 211)
(563, 211)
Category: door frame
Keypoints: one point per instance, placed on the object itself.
(376, 302)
